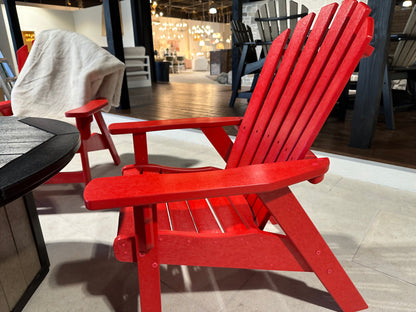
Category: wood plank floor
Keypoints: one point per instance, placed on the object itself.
(183, 100)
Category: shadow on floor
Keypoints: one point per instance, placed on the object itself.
(103, 275)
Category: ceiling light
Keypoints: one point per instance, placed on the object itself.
(407, 4)
(212, 10)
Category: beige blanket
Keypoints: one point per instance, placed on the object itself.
(65, 70)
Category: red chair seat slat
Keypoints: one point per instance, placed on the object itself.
(163, 218)
(228, 217)
(203, 217)
(180, 217)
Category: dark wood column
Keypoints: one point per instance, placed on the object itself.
(370, 79)
(14, 24)
(237, 12)
(142, 28)
(115, 43)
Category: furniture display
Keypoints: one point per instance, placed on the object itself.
(216, 217)
(137, 67)
(401, 64)
(272, 20)
(370, 78)
(200, 63)
(249, 63)
(220, 61)
(176, 63)
(180, 63)
(31, 152)
(162, 71)
(84, 116)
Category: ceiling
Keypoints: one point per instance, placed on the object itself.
(196, 9)
(66, 3)
(187, 9)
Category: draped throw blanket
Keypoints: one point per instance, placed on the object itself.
(65, 70)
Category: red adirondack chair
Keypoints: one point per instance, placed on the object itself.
(84, 117)
(214, 217)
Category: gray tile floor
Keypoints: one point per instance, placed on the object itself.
(365, 211)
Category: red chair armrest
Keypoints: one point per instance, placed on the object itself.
(6, 108)
(123, 191)
(90, 108)
(158, 125)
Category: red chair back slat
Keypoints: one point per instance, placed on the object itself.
(257, 99)
(278, 87)
(309, 77)
(348, 63)
(299, 86)
(22, 55)
(292, 92)
(331, 80)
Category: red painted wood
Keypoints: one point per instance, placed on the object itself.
(140, 148)
(89, 142)
(181, 217)
(163, 220)
(330, 84)
(296, 91)
(147, 255)
(6, 108)
(244, 210)
(204, 219)
(276, 128)
(250, 250)
(279, 85)
(346, 67)
(220, 140)
(88, 109)
(144, 223)
(228, 217)
(152, 168)
(124, 245)
(303, 234)
(101, 194)
(257, 99)
(67, 177)
(159, 125)
(22, 55)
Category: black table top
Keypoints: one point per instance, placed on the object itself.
(32, 150)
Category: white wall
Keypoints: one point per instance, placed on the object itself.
(85, 21)
(39, 19)
(89, 23)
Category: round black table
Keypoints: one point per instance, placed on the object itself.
(32, 150)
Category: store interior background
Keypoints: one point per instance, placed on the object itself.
(185, 37)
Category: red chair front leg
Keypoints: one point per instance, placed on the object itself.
(145, 224)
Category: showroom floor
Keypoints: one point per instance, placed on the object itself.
(365, 211)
